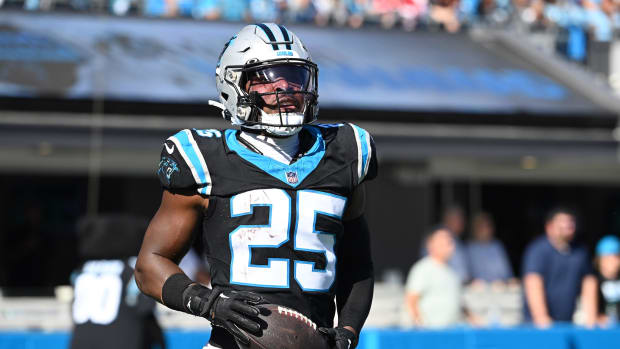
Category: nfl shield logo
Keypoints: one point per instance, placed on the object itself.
(291, 177)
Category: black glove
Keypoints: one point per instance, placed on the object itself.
(228, 309)
(340, 337)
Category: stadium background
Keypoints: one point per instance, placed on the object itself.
(508, 113)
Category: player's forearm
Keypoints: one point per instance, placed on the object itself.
(151, 273)
(166, 241)
(356, 305)
(356, 277)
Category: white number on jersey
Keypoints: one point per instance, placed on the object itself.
(307, 238)
(98, 292)
(276, 232)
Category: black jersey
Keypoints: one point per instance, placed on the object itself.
(273, 228)
(109, 311)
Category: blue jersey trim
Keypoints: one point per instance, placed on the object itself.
(193, 157)
(301, 168)
(363, 141)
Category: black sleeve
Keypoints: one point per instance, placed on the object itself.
(355, 275)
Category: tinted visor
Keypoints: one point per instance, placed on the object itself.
(298, 77)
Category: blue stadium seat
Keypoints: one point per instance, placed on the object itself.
(154, 8)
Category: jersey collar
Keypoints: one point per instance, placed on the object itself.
(292, 174)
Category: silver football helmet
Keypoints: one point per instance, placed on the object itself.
(266, 80)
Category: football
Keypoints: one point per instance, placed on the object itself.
(285, 328)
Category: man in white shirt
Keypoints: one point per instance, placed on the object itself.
(433, 290)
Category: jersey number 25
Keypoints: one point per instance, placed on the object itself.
(275, 274)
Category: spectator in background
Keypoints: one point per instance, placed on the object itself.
(386, 11)
(121, 7)
(206, 9)
(597, 19)
(611, 9)
(172, 8)
(453, 219)
(411, 11)
(444, 13)
(488, 12)
(433, 289)
(264, 10)
(234, 10)
(160, 8)
(325, 10)
(356, 10)
(555, 272)
(331, 12)
(522, 11)
(608, 268)
(487, 257)
(282, 9)
(301, 11)
(109, 311)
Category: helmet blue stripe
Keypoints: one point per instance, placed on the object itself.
(270, 35)
(285, 35)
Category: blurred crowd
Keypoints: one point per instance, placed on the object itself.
(560, 282)
(599, 18)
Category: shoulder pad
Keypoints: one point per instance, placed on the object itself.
(183, 165)
(329, 131)
(366, 154)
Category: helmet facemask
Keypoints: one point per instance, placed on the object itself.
(278, 96)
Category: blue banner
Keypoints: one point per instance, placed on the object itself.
(142, 59)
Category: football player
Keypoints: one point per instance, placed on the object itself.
(281, 201)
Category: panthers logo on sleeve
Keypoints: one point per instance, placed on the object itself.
(167, 168)
(182, 164)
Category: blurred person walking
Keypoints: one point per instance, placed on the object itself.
(607, 263)
(433, 289)
(108, 310)
(555, 272)
(487, 256)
